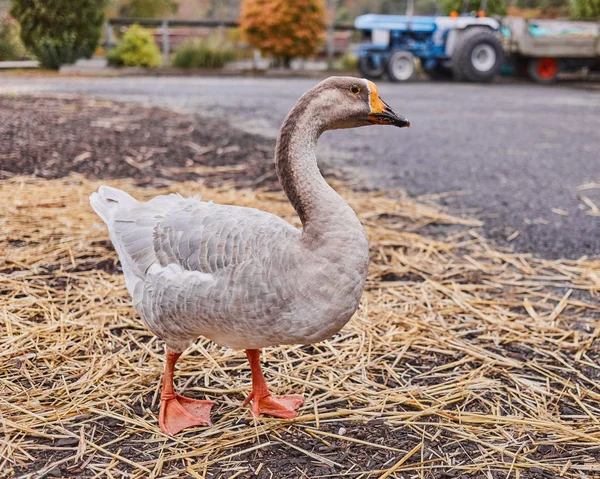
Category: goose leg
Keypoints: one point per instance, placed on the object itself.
(263, 402)
(178, 412)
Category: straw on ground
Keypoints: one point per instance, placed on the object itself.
(462, 358)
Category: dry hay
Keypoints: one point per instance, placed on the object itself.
(463, 360)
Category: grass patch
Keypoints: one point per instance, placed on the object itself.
(211, 52)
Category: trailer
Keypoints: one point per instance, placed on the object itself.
(541, 49)
(464, 47)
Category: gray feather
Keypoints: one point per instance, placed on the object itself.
(239, 276)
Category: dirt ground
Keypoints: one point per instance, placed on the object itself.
(464, 361)
(51, 138)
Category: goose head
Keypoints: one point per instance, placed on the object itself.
(347, 102)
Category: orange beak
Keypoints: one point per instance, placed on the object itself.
(382, 113)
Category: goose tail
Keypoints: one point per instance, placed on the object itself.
(107, 200)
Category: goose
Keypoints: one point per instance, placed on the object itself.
(244, 278)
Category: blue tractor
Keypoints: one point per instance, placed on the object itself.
(466, 48)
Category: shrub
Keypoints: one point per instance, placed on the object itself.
(148, 8)
(11, 47)
(349, 61)
(493, 7)
(137, 49)
(585, 9)
(284, 29)
(206, 53)
(58, 33)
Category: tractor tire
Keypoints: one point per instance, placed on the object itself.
(368, 70)
(543, 70)
(401, 66)
(478, 56)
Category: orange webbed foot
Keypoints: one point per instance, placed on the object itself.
(263, 402)
(276, 406)
(179, 412)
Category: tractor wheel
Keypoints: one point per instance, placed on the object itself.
(401, 66)
(478, 56)
(368, 69)
(543, 70)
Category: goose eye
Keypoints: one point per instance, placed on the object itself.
(355, 89)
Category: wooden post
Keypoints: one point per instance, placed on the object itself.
(165, 41)
(410, 8)
(256, 58)
(465, 6)
(108, 35)
(331, 33)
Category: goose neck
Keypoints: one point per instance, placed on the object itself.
(296, 164)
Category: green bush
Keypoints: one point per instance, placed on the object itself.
(206, 53)
(494, 7)
(56, 31)
(137, 49)
(11, 47)
(349, 61)
(585, 9)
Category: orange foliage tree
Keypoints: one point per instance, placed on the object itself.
(284, 29)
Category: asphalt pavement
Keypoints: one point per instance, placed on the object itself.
(523, 158)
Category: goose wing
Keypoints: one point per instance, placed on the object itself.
(194, 268)
(192, 234)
